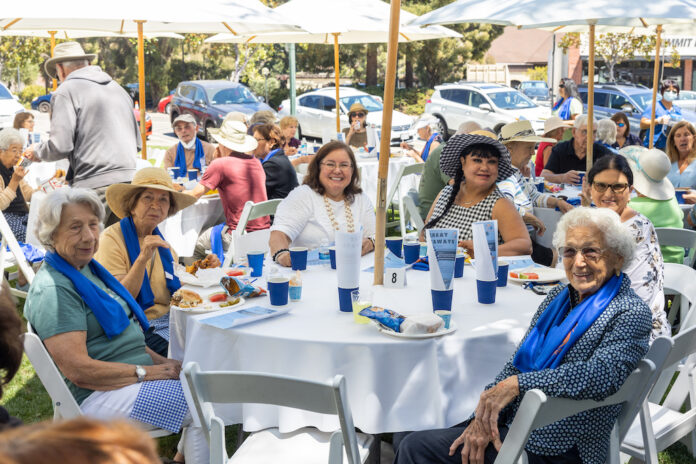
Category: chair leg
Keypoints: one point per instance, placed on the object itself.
(375, 451)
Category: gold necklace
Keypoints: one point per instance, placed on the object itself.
(332, 217)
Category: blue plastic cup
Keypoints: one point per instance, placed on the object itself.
(394, 244)
(173, 172)
(332, 256)
(345, 300)
(539, 183)
(459, 266)
(581, 175)
(255, 260)
(503, 267)
(486, 291)
(193, 174)
(423, 249)
(278, 288)
(442, 300)
(446, 317)
(680, 195)
(411, 252)
(298, 258)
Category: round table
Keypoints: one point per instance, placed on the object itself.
(393, 384)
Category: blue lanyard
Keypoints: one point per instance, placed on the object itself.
(271, 155)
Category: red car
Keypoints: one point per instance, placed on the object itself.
(148, 121)
(163, 105)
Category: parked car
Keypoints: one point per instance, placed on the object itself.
(164, 104)
(133, 90)
(210, 101)
(537, 91)
(487, 104)
(42, 103)
(9, 107)
(316, 112)
(631, 99)
(687, 100)
(148, 121)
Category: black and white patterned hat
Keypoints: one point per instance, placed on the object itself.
(450, 162)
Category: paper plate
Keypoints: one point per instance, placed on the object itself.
(439, 333)
(209, 307)
(204, 277)
(546, 275)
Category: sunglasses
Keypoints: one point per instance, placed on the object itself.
(621, 124)
(601, 187)
(589, 253)
(360, 115)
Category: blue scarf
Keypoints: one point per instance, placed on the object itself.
(109, 312)
(146, 298)
(426, 149)
(216, 242)
(181, 158)
(554, 333)
(271, 155)
(564, 113)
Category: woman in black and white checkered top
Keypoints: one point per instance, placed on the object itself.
(476, 163)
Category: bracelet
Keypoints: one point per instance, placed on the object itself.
(275, 255)
(371, 239)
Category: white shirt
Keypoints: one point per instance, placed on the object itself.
(302, 216)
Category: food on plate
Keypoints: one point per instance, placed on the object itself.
(186, 298)
(235, 272)
(218, 297)
(524, 275)
(413, 325)
(59, 173)
(231, 302)
(205, 263)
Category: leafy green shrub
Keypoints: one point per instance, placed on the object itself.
(29, 93)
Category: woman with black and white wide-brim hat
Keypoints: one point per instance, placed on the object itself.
(477, 163)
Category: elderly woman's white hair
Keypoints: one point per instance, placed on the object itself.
(581, 121)
(606, 131)
(9, 137)
(617, 237)
(52, 208)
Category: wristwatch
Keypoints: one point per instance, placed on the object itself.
(140, 373)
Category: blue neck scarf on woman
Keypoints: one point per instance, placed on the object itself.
(146, 298)
(555, 333)
(109, 312)
(216, 242)
(181, 158)
(564, 112)
(426, 149)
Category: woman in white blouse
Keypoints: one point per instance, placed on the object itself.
(330, 199)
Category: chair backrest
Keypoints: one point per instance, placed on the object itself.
(679, 280)
(537, 410)
(9, 240)
(683, 351)
(64, 404)
(413, 213)
(242, 244)
(249, 387)
(404, 171)
(685, 238)
(253, 211)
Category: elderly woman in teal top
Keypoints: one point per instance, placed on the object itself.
(93, 328)
(682, 153)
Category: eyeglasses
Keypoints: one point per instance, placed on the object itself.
(360, 115)
(342, 166)
(601, 187)
(620, 124)
(589, 253)
(259, 139)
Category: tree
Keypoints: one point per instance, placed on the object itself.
(538, 73)
(23, 53)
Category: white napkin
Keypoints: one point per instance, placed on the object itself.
(348, 252)
(442, 250)
(486, 249)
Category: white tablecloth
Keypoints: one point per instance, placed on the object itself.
(393, 384)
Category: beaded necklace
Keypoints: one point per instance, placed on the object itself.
(332, 217)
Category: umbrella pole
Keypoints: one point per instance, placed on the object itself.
(141, 88)
(293, 90)
(338, 83)
(53, 46)
(656, 72)
(590, 100)
(385, 142)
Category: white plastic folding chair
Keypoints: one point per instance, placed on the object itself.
(685, 238)
(257, 240)
(537, 410)
(395, 195)
(679, 281)
(64, 404)
(666, 423)
(304, 446)
(253, 211)
(9, 240)
(412, 213)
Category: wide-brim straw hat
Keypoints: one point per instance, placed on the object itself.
(450, 162)
(233, 135)
(521, 131)
(650, 169)
(117, 195)
(554, 122)
(66, 51)
(357, 106)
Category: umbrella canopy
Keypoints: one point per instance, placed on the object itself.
(78, 34)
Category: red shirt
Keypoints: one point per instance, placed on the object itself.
(238, 179)
(539, 160)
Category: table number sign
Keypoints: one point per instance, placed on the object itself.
(395, 277)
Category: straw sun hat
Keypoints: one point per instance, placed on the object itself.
(117, 195)
(520, 131)
(66, 51)
(650, 169)
(233, 135)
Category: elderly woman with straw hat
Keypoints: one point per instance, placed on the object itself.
(134, 251)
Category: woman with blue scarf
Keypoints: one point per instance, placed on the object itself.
(569, 106)
(93, 328)
(136, 253)
(583, 342)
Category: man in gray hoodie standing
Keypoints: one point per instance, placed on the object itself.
(92, 124)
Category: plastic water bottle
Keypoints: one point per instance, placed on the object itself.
(324, 256)
(303, 147)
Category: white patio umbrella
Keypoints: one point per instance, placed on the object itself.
(339, 22)
(130, 16)
(571, 16)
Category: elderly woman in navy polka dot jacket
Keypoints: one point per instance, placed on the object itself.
(583, 342)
